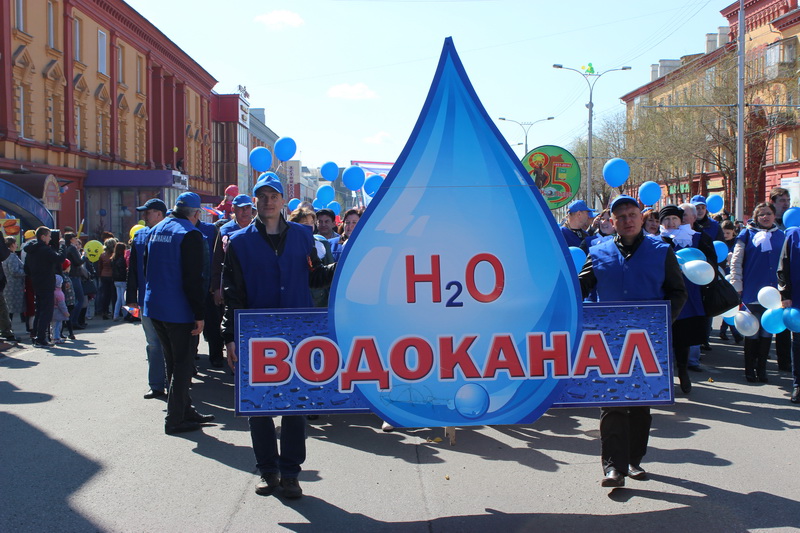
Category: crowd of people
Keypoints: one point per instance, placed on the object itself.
(182, 277)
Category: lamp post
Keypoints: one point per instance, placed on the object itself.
(586, 76)
(526, 127)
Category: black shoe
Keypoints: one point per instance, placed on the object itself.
(613, 479)
(41, 344)
(636, 472)
(763, 379)
(723, 336)
(269, 482)
(785, 368)
(217, 363)
(154, 394)
(795, 395)
(71, 337)
(290, 488)
(686, 383)
(11, 338)
(695, 368)
(737, 339)
(200, 419)
(183, 427)
(705, 347)
(750, 379)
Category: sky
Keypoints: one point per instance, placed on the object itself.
(346, 79)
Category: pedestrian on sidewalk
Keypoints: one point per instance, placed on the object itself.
(60, 311)
(41, 262)
(789, 285)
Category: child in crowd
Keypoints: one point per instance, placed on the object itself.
(729, 238)
(69, 298)
(60, 311)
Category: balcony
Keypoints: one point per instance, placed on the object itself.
(781, 118)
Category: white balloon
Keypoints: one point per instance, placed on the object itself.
(730, 312)
(769, 297)
(698, 272)
(746, 323)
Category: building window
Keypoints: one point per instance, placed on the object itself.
(139, 74)
(78, 126)
(102, 47)
(19, 14)
(51, 26)
(776, 149)
(120, 64)
(22, 110)
(76, 37)
(788, 152)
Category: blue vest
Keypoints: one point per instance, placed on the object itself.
(793, 253)
(164, 298)
(760, 268)
(594, 240)
(229, 228)
(640, 277)
(694, 301)
(140, 244)
(570, 237)
(712, 229)
(271, 280)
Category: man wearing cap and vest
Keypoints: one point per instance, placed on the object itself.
(242, 216)
(708, 225)
(152, 212)
(630, 267)
(271, 264)
(174, 299)
(212, 318)
(579, 216)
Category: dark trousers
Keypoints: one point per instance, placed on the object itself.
(783, 349)
(212, 331)
(624, 432)
(176, 341)
(77, 286)
(106, 296)
(45, 300)
(265, 444)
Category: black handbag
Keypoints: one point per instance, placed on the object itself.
(719, 296)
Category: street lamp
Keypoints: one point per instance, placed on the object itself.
(590, 106)
(526, 126)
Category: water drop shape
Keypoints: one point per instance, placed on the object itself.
(472, 400)
(456, 191)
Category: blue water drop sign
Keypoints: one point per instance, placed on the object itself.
(455, 262)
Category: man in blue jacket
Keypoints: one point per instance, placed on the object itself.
(630, 267)
(174, 299)
(579, 217)
(152, 212)
(271, 264)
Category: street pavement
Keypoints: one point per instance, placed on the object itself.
(81, 450)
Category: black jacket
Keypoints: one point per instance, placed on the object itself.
(41, 263)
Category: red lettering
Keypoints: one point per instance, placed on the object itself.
(503, 355)
(434, 278)
(450, 358)
(637, 344)
(364, 349)
(557, 356)
(593, 353)
(272, 354)
(304, 360)
(398, 361)
(499, 278)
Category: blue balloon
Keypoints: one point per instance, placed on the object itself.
(329, 171)
(729, 320)
(260, 159)
(578, 257)
(335, 207)
(791, 217)
(353, 177)
(293, 203)
(326, 194)
(689, 254)
(372, 184)
(722, 251)
(285, 147)
(791, 318)
(317, 204)
(616, 172)
(772, 321)
(649, 192)
(715, 203)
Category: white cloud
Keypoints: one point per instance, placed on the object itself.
(378, 138)
(277, 20)
(356, 91)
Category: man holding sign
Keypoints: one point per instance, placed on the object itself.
(630, 267)
(270, 264)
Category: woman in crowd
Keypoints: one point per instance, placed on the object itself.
(15, 281)
(754, 266)
(729, 238)
(105, 292)
(690, 327)
(119, 273)
(650, 222)
(349, 222)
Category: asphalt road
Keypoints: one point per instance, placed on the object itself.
(80, 450)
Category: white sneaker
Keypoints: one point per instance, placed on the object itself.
(387, 427)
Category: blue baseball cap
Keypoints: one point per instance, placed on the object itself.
(622, 200)
(698, 200)
(580, 205)
(268, 179)
(153, 203)
(188, 199)
(242, 200)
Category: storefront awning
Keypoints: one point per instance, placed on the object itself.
(135, 178)
(24, 205)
